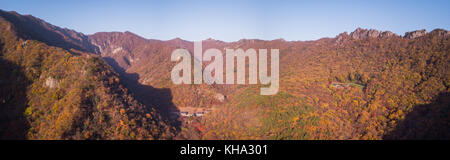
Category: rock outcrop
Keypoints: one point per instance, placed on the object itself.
(415, 34)
(220, 97)
(387, 34)
(440, 32)
(360, 33)
(51, 82)
(364, 33)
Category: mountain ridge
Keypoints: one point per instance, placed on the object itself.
(358, 32)
(364, 85)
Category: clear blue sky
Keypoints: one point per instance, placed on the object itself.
(232, 20)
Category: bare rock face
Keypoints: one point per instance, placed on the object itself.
(341, 38)
(360, 33)
(220, 97)
(373, 33)
(441, 32)
(387, 34)
(51, 82)
(415, 34)
(364, 33)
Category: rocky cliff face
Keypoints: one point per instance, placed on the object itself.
(388, 34)
(415, 34)
(364, 33)
(360, 33)
(423, 32)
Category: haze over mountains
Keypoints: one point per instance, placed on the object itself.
(61, 84)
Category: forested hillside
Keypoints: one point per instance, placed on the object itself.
(348, 87)
(50, 93)
(60, 84)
